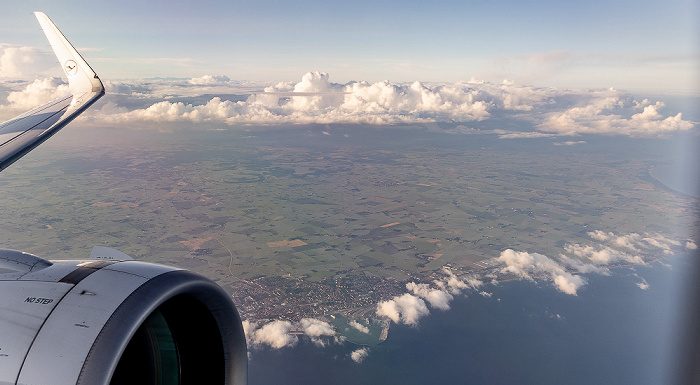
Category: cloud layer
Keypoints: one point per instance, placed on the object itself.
(543, 112)
(315, 99)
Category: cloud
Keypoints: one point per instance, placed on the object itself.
(436, 298)
(359, 355)
(454, 285)
(39, 92)
(529, 265)
(503, 134)
(360, 327)
(602, 255)
(410, 307)
(570, 143)
(276, 334)
(406, 309)
(20, 62)
(317, 100)
(604, 115)
(543, 112)
(643, 284)
(614, 249)
(315, 329)
(636, 242)
(531, 112)
(210, 80)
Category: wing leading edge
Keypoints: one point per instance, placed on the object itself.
(22, 134)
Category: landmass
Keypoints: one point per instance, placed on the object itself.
(295, 223)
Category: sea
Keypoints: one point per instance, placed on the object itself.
(612, 332)
(628, 327)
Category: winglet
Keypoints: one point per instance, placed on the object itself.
(81, 78)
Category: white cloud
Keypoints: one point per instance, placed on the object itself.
(637, 242)
(529, 265)
(359, 355)
(570, 143)
(20, 62)
(276, 334)
(39, 92)
(604, 114)
(602, 255)
(454, 285)
(315, 329)
(360, 327)
(690, 245)
(409, 308)
(643, 284)
(436, 298)
(406, 309)
(210, 80)
(503, 134)
(615, 249)
(543, 112)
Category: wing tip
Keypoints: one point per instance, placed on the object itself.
(81, 77)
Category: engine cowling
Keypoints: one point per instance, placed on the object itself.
(109, 321)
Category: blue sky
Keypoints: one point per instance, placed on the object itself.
(640, 45)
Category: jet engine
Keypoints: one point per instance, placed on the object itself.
(113, 320)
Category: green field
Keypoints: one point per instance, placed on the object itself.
(314, 208)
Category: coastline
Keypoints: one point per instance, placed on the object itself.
(654, 174)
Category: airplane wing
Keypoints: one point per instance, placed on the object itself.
(22, 134)
(108, 319)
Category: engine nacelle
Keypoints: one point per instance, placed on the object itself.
(109, 321)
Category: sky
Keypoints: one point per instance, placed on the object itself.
(629, 45)
(562, 69)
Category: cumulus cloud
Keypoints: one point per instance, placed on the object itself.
(278, 334)
(18, 62)
(543, 112)
(39, 92)
(605, 115)
(359, 327)
(529, 265)
(315, 329)
(315, 99)
(612, 249)
(410, 307)
(210, 80)
(359, 355)
(406, 309)
(436, 298)
(274, 334)
(643, 284)
(602, 255)
(454, 285)
(636, 242)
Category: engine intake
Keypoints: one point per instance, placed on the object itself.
(115, 322)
